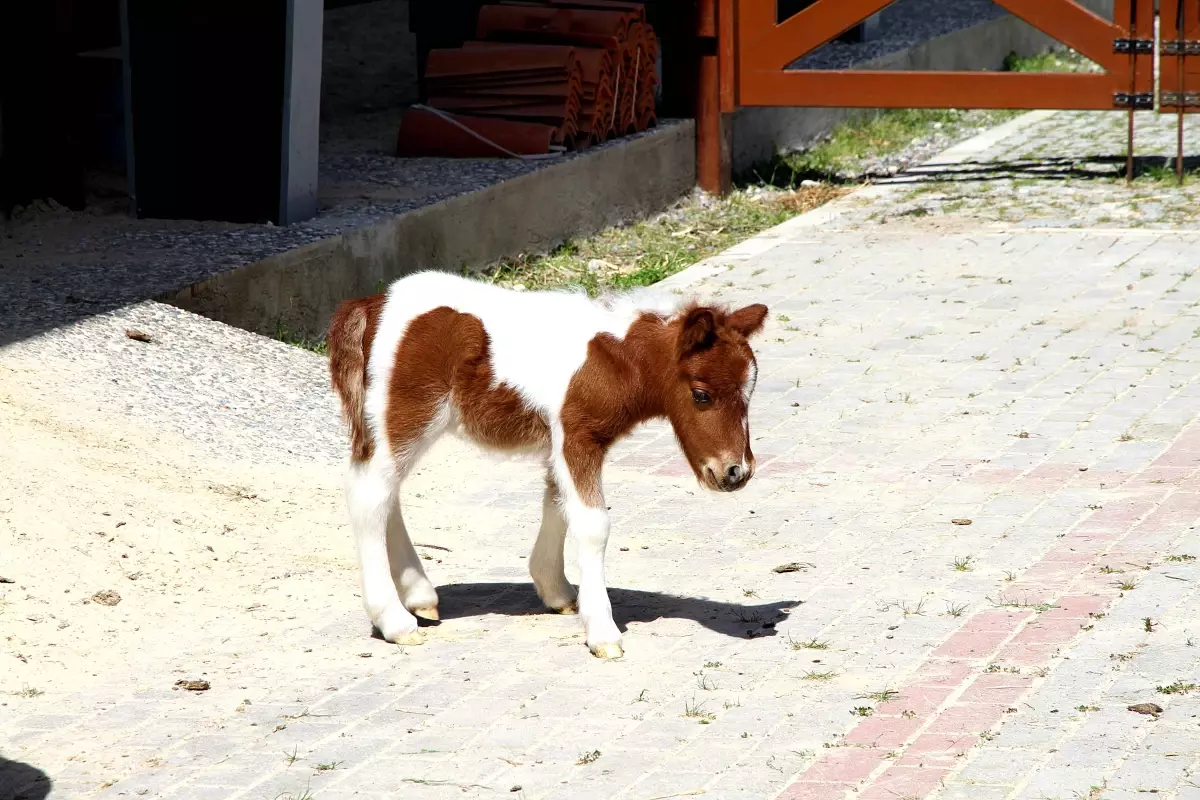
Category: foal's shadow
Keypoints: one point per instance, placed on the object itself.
(21, 781)
(460, 600)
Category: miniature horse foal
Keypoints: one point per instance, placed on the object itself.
(550, 373)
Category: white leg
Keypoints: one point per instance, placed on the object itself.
(371, 496)
(546, 563)
(414, 588)
(589, 527)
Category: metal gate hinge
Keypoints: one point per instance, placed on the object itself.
(1174, 47)
(1139, 46)
(1137, 100)
(1171, 100)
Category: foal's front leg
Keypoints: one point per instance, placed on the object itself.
(587, 523)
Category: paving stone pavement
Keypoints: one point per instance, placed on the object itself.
(977, 439)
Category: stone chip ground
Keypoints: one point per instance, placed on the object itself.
(1021, 353)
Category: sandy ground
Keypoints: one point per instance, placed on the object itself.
(90, 505)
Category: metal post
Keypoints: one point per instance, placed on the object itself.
(1133, 34)
(224, 101)
(301, 111)
(713, 156)
(1180, 23)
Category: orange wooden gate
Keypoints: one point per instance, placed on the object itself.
(754, 48)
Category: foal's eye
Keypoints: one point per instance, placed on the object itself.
(701, 397)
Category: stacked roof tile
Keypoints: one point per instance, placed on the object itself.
(538, 77)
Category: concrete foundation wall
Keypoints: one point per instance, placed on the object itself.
(759, 133)
(533, 213)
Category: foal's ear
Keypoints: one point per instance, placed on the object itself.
(747, 321)
(699, 331)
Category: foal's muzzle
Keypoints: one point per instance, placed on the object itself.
(729, 477)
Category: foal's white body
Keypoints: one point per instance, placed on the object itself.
(538, 341)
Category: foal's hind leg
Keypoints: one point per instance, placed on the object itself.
(546, 563)
(392, 578)
(371, 497)
(414, 588)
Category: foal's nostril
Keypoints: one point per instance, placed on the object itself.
(734, 474)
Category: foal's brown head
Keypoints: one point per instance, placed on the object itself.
(708, 397)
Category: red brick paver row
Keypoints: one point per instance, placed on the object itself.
(964, 690)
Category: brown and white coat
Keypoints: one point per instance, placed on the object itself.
(553, 374)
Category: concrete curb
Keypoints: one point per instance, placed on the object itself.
(762, 242)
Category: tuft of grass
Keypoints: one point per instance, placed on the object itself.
(29, 691)
(862, 711)
(646, 252)
(991, 668)
(332, 765)
(882, 696)
(837, 156)
(811, 644)
(814, 675)
(955, 609)
(1011, 602)
(315, 344)
(1069, 61)
(695, 710)
(1163, 172)
(913, 611)
(1180, 558)
(748, 615)
(587, 758)
(963, 563)
(1178, 687)
(304, 794)
(1127, 586)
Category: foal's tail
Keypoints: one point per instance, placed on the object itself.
(351, 331)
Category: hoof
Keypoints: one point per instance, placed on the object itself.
(411, 638)
(429, 612)
(398, 626)
(570, 608)
(607, 651)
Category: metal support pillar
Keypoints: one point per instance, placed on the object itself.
(223, 104)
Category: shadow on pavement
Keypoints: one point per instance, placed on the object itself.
(20, 781)
(629, 605)
(1090, 167)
